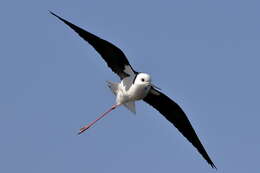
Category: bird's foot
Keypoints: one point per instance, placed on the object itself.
(83, 129)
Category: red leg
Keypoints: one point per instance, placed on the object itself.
(93, 122)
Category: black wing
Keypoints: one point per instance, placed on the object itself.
(177, 117)
(113, 56)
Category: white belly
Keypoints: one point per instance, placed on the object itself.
(134, 93)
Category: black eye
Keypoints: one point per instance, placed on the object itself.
(142, 79)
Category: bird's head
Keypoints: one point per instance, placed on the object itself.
(145, 80)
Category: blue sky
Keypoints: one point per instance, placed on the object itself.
(203, 54)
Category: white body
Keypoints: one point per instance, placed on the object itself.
(131, 89)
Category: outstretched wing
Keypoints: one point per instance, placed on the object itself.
(113, 56)
(173, 112)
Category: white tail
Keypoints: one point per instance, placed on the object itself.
(114, 88)
(130, 106)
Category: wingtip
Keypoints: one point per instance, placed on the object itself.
(60, 18)
(50, 12)
(53, 14)
(213, 166)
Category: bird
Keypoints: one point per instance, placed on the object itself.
(135, 86)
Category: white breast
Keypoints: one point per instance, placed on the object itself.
(127, 91)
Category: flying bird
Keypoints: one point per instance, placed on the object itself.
(136, 86)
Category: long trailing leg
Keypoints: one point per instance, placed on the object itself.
(100, 117)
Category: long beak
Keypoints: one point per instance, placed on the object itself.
(155, 86)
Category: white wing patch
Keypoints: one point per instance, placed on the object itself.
(128, 70)
(128, 82)
(130, 106)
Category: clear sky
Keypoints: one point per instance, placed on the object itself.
(204, 54)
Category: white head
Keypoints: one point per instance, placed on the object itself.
(145, 80)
